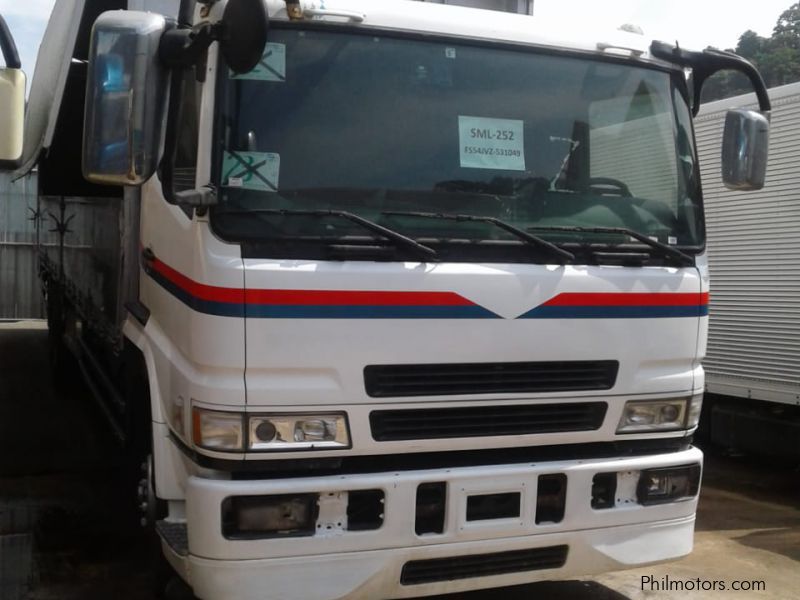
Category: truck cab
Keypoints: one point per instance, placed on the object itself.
(395, 299)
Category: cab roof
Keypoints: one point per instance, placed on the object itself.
(472, 23)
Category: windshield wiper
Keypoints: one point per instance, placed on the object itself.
(398, 238)
(526, 237)
(666, 251)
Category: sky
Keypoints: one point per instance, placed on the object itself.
(694, 23)
(26, 19)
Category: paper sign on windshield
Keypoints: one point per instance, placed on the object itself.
(491, 143)
(251, 170)
(271, 67)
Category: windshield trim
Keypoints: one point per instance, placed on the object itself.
(364, 248)
(676, 75)
(350, 28)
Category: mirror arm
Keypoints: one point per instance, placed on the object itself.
(184, 47)
(204, 196)
(8, 47)
(242, 35)
(704, 64)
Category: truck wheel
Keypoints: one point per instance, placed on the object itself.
(177, 589)
(150, 506)
(139, 462)
(138, 452)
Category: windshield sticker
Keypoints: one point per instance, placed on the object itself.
(491, 143)
(271, 67)
(251, 170)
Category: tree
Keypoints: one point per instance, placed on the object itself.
(779, 66)
(750, 44)
(776, 57)
(787, 29)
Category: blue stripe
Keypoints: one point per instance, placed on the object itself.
(614, 312)
(281, 311)
(209, 307)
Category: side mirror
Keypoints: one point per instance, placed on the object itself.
(126, 91)
(745, 144)
(12, 101)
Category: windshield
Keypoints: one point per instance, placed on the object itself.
(374, 125)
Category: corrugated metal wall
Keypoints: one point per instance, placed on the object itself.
(754, 256)
(637, 152)
(20, 292)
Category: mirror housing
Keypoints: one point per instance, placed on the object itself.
(12, 116)
(745, 145)
(12, 101)
(126, 92)
(242, 37)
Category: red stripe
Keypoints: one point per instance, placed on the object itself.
(198, 290)
(354, 298)
(628, 299)
(386, 298)
(307, 297)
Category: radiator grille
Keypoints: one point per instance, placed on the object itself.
(489, 378)
(480, 421)
(482, 565)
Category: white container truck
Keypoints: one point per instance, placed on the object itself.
(753, 362)
(394, 298)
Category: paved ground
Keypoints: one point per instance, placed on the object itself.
(59, 483)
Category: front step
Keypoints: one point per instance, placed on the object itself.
(175, 535)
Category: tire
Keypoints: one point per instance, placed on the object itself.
(138, 450)
(135, 389)
(139, 468)
(177, 589)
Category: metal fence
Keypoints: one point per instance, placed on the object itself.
(20, 293)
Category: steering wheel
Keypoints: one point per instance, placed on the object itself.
(608, 186)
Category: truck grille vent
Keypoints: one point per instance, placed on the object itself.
(482, 565)
(479, 421)
(489, 378)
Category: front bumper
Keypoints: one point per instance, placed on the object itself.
(336, 563)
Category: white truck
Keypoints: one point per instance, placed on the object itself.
(394, 298)
(753, 362)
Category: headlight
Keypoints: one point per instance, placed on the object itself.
(297, 432)
(653, 415)
(217, 430)
(239, 432)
